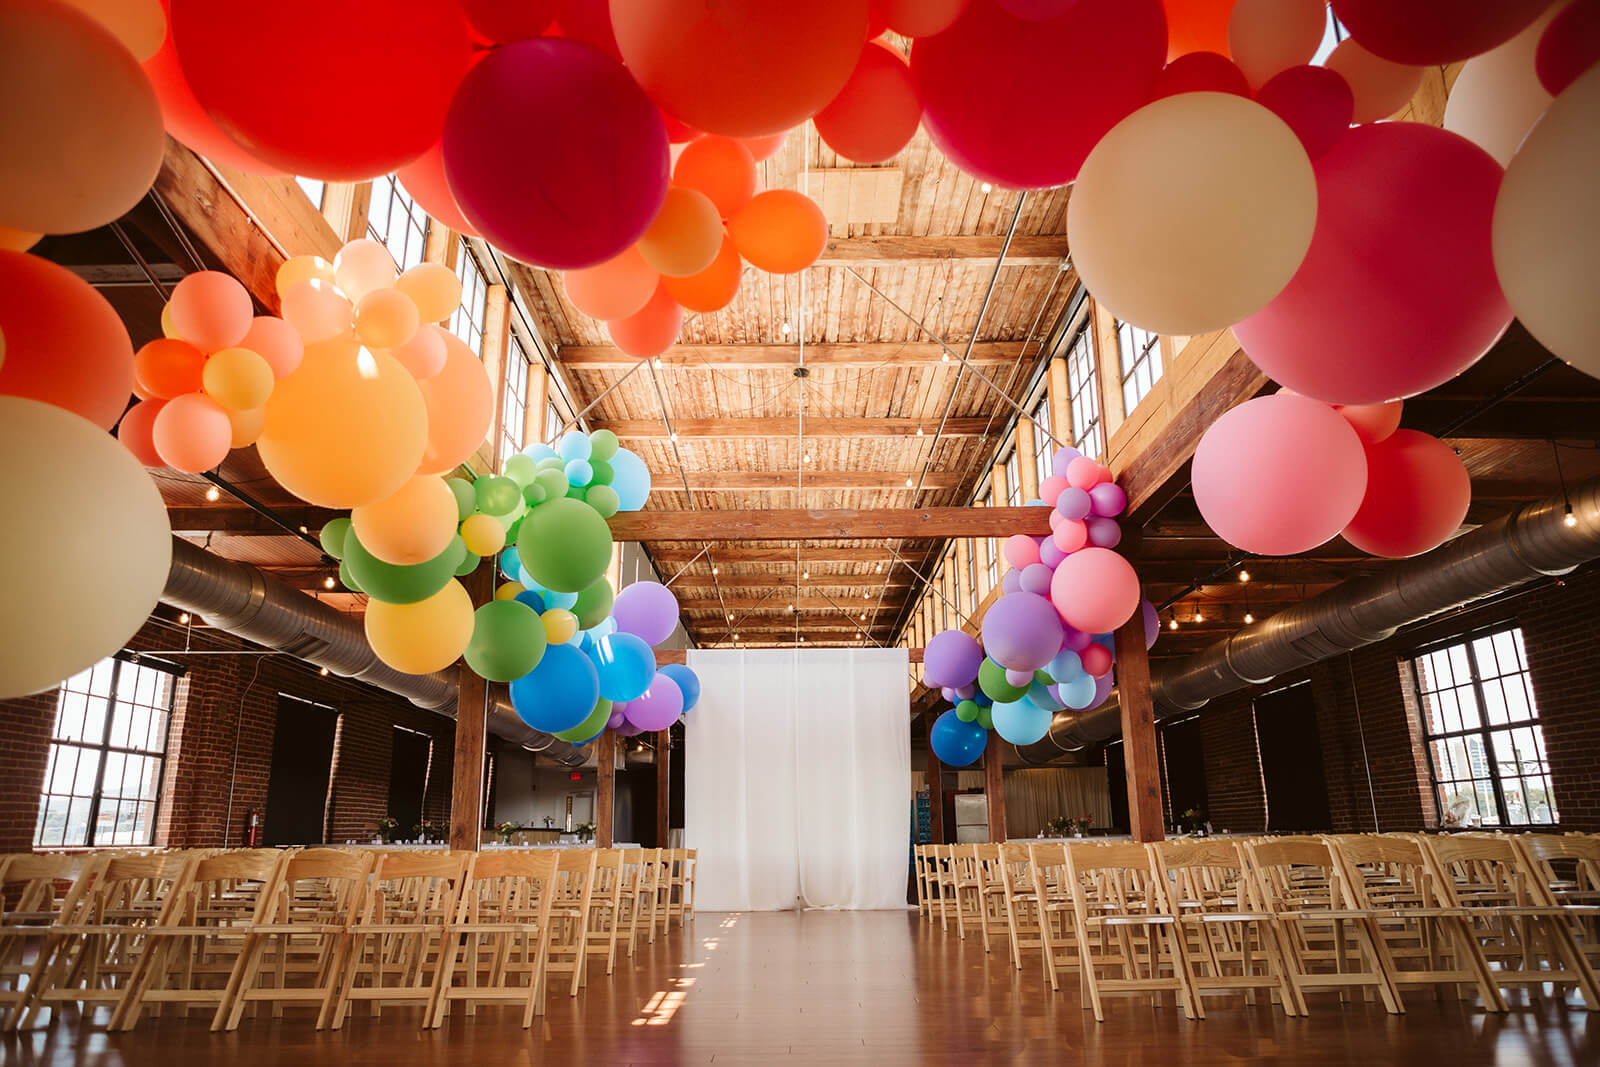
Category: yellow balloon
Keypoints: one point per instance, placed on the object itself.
(141, 25)
(246, 425)
(509, 590)
(386, 318)
(559, 625)
(167, 329)
(423, 637)
(434, 288)
(297, 269)
(483, 535)
(21, 240)
(411, 526)
(237, 378)
(347, 428)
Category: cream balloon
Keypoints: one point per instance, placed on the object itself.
(1191, 249)
(141, 25)
(1545, 221)
(1380, 87)
(363, 266)
(62, 616)
(423, 637)
(1266, 37)
(410, 526)
(1497, 97)
(434, 288)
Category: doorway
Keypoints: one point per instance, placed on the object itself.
(297, 786)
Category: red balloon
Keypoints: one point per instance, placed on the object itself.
(586, 172)
(1200, 72)
(136, 429)
(678, 131)
(1424, 32)
(588, 21)
(1569, 46)
(1096, 660)
(1316, 103)
(876, 114)
(1197, 26)
(740, 69)
(1036, 9)
(340, 91)
(1080, 74)
(1417, 496)
(919, 18)
(1398, 291)
(424, 179)
(504, 21)
(1372, 422)
(651, 330)
(766, 146)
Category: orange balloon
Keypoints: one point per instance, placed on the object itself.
(713, 288)
(877, 112)
(276, 342)
(685, 236)
(613, 290)
(297, 269)
(434, 288)
(211, 310)
(167, 368)
(411, 525)
(64, 343)
(317, 311)
(424, 179)
(460, 405)
(1197, 26)
(17, 240)
(720, 167)
(424, 354)
(247, 425)
(346, 428)
(386, 318)
(237, 378)
(141, 25)
(191, 433)
(135, 429)
(652, 329)
(766, 146)
(780, 231)
(1266, 37)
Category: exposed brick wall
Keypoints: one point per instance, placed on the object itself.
(1234, 798)
(24, 757)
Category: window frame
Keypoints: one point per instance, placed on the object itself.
(514, 387)
(1013, 468)
(399, 206)
(1043, 448)
(1083, 394)
(470, 271)
(1139, 366)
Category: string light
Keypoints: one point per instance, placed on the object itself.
(808, 457)
(714, 571)
(730, 616)
(919, 429)
(184, 618)
(212, 493)
(1249, 618)
(323, 672)
(987, 187)
(908, 483)
(806, 575)
(878, 569)
(673, 436)
(1568, 518)
(327, 583)
(786, 329)
(1173, 625)
(1244, 576)
(791, 609)
(944, 357)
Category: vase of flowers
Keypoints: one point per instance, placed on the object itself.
(1080, 825)
(585, 832)
(1192, 820)
(388, 829)
(1060, 826)
(505, 830)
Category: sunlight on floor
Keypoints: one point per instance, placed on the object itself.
(661, 1007)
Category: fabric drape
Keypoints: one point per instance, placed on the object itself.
(1035, 795)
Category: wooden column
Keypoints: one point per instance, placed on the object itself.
(1143, 766)
(472, 715)
(994, 788)
(605, 796)
(964, 576)
(496, 354)
(935, 799)
(1058, 388)
(663, 787)
(1109, 367)
(345, 206)
(997, 483)
(1027, 461)
(538, 402)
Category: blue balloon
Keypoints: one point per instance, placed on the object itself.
(1034, 503)
(532, 598)
(1066, 666)
(574, 444)
(511, 564)
(579, 472)
(1078, 693)
(607, 625)
(687, 680)
(957, 743)
(1022, 722)
(559, 693)
(626, 665)
(564, 601)
(982, 699)
(1109, 640)
(539, 450)
(630, 480)
(1040, 694)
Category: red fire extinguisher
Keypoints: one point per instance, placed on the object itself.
(252, 829)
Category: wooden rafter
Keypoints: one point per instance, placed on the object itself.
(843, 524)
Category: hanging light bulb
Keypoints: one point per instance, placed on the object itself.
(908, 483)
(944, 357)
(808, 457)
(1570, 519)
(1249, 618)
(877, 569)
(327, 583)
(673, 436)
(212, 493)
(987, 187)
(786, 329)
(791, 609)
(323, 672)
(1197, 616)
(1173, 625)
(184, 618)
(807, 574)
(919, 429)
(730, 616)
(1244, 575)
(714, 571)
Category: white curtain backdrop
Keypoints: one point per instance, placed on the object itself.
(797, 778)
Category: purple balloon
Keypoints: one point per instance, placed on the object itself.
(1102, 688)
(1022, 631)
(660, 706)
(951, 659)
(1074, 640)
(1011, 582)
(1152, 622)
(1050, 555)
(1108, 500)
(1074, 503)
(627, 729)
(647, 610)
(1062, 459)
(966, 692)
(1036, 579)
(1104, 533)
(616, 720)
(1019, 678)
(948, 693)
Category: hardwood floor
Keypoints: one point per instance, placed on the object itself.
(883, 988)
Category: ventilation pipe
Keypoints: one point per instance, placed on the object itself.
(249, 603)
(1534, 541)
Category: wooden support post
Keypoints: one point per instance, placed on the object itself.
(1142, 764)
(964, 576)
(1059, 389)
(538, 402)
(663, 787)
(496, 354)
(1027, 460)
(994, 788)
(1109, 359)
(935, 799)
(605, 789)
(472, 719)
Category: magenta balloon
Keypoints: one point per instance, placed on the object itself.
(1569, 46)
(1107, 500)
(1074, 503)
(1200, 72)
(1398, 292)
(1062, 460)
(1021, 550)
(1036, 579)
(647, 610)
(1152, 623)
(951, 658)
(627, 729)
(1278, 475)
(1315, 102)
(660, 706)
(949, 694)
(1104, 533)
(555, 154)
(1417, 496)
(1081, 72)
(1096, 660)
(1095, 590)
(966, 692)
(1021, 631)
(1074, 639)
(1050, 554)
(1036, 9)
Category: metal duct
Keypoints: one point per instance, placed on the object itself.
(249, 603)
(1533, 541)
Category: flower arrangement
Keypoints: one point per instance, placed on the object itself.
(586, 831)
(505, 830)
(388, 829)
(427, 830)
(1069, 825)
(1192, 820)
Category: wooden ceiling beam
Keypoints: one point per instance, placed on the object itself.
(786, 426)
(778, 481)
(810, 606)
(820, 555)
(239, 521)
(1026, 250)
(781, 581)
(787, 356)
(842, 524)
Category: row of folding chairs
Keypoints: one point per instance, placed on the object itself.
(261, 930)
(1369, 915)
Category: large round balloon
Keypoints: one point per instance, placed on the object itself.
(412, 525)
(1398, 292)
(423, 637)
(648, 610)
(1022, 722)
(1316, 103)
(992, 681)
(1497, 98)
(917, 18)
(460, 406)
(424, 178)
(740, 69)
(652, 329)
(1081, 72)
(1569, 46)
(260, 88)
(1197, 26)
(559, 693)
(564, 545)
(508, 640)
(347, 428)
(1021, 631)
(615, 289)
(685, 235)
(626, 666)
(1269, 36)
(877, 112)
(64, 616)
(1193, 249)
(720, 167)
(594, 604)
(1095, 590)
(81, 135)
(688, 683)
(586, 171)
(399, 585)
(779, 231)
(61, 341)
(1544, 223)
(631, 480)
(713, 288)
(1417, 496)
(1277, 475)
(1378, 87)
(956, 743)
(951, 658)
(659, 706)
(1425, 32)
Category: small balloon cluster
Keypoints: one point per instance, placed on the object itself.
(1047, 642)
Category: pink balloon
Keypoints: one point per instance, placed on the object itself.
(1071, 535)
(1200, 72)
(276, 342)
(1075, 640)
(1315, 102)
(1095, 591)
(586, 170)
(1423, 32)
(1096, 659)
(1569, 46)
(1417, 496)
(211, 310)
(1398, 292)
(1278, 475)
(1372, 422)
(1108, 499)
(1081, 72)
(1021, 550)
(192, 433)
(136, 430)
(1050, 553)
(1083, 473)
(660, 706)
(1050, 489)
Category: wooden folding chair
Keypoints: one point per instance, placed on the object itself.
(967, 889)
(688, 858)
(1058, 936)
(653, 872)
(1567, 872)
(497, 946)
(569, 915)
(1021, 903)
(919, 867)
(676, 871)
(605, 906)
(34, 893)
(991, 894)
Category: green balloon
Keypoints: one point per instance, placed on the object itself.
(402, 585)
(507, 640)
(513, 530)
(468, 564)
(602, 445)
(603, 499)
(967, 711)
(552, 463)
(594, 604)
(588, 727)
(333, 535)
(992, 680)
(986, 718)
(564, 545)
(534, 495)
(553, 482)
(602, 472)
(347, 579)
(497, 495)
(520, 469)
(466, 497)
(577, 492)
(1043, 678)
